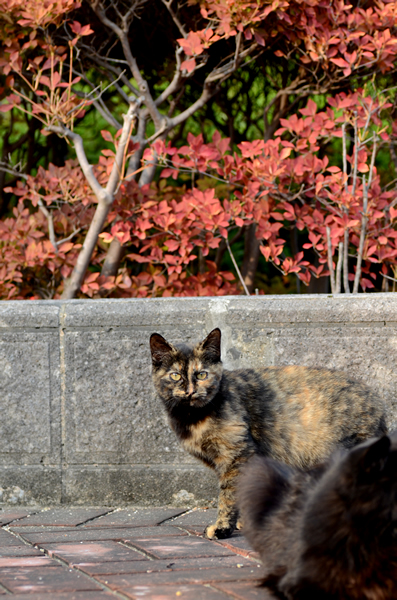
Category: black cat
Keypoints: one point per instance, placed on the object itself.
(328, 534)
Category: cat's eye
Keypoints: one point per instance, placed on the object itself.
(175, 376)
(202, 375)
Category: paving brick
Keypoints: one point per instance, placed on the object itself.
(61, 517)
(135, 517)
(7, 515)
(199, 518)
(188, 576)
(93, 552)
(245, 591)
(186, 547)
(238, 543)
(26, 561)
(153, 566)
(45, 580)
(38, 535)
(98, 595)
(175, 592)
(15, 551)
(7, 539)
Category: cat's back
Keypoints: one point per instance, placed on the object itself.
(300, 414)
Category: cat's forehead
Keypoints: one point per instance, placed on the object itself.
(188, 357)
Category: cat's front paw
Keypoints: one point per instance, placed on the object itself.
(213, 532)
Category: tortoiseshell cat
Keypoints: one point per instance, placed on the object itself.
(330, 534)
(297, 415)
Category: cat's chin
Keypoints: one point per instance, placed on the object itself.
(199, 403)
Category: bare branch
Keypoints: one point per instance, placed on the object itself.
(116, 173)
(48, 216)
(142, 83)
(344, 155)
(364, 221)
(207, 93)
(105, 196)
(372, 165)
(364, 218)
(330, 263)
(338, 286)
(82, 158)
(237, 52)
(106, 114)
(104, 62)
(224, 71)
(73, 285)
(236, 267)
(356, 148)
(388, 277)
(346, 262)
(7, 169)
(174, 17)
(176, 81)
(69, 237)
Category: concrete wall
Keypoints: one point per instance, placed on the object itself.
(79, 422)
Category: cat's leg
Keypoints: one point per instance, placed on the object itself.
(227, 510)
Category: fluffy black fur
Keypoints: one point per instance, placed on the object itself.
(328, 534)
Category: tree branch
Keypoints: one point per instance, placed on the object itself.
(105, 196)
(338, 285)
(330, 263)
(346, 262)
(175, 83)
(207, 93)
(174, 17)
(236, 267)
(364, 220)
(142, 83)
(94, 184)
(344, 155)
(48, 216)
(116, 173)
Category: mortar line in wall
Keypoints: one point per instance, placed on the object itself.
(62, 317)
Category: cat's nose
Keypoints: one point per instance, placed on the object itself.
(190, 390)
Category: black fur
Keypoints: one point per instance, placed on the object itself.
(330, 533)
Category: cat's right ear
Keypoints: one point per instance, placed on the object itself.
(371, 458)
(159, 348)
(211, 346)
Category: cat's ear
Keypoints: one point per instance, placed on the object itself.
(160, 348)
(211, 346)
(371, 457)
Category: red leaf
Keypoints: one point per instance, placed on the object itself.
(188, 65)
(340, 62)
(107, 136)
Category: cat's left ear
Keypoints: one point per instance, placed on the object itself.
(371, 458)
(211, 346)
(160, 348)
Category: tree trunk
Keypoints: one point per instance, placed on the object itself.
(251, 257)
(115, 251)
(113, 257)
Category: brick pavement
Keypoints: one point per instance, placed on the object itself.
(133, 553)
